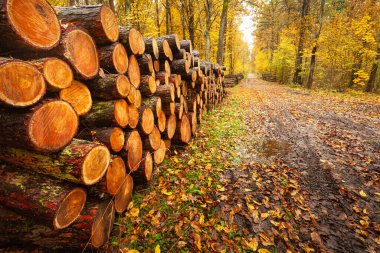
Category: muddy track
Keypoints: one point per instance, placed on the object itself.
(304, 154)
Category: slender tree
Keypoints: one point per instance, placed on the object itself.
(222, 31)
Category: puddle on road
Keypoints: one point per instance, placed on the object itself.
(271, 148)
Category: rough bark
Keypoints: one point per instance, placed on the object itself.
(146, 64)
(164, 50)
(187, 45)
(151, 47)
(222, 32)
(110, 86)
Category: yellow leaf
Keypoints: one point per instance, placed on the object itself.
(363, 194)
(209, 181)
(175, 159)
(197, 241)
(181, 244)
(263, 251)
(253, 244)
(250, 207)
(165, 191)
(134, 212)
(157, 249)
(202, 219)
(133, 251)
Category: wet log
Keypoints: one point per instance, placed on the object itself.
(112, 137)
(183, 132)
(91, 230)
(180, 67)
(124, 195)
(50, 203)
(173, 42)
(17, 33)
(57, 73)
(22, 84)
(146, 120)
(134, 71)
(78, 96)
(98, 20)
(82, 162)
(146, 64)
(133, 116)
(164, 50)
(151, 47)
(110, 86)
(132, 40)
(107, 113)
(153, 141)
(113, 58)
(132, 152)
(144, 174)
(187, 45)
(23, 128)
(148, 85)
(159, 154)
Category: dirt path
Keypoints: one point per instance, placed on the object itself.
(334, 144)
(272, 169)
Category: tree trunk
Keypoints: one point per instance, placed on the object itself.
(99, 20)
(112, 137)
(222, 31)
(370, 86)
(19, 16)
(79, 96)
(57, 73)
(52, 204)
(113, 58)
(22, 128)
(167, 12)
(22, 84)
(144, 174)
(81, 162)
(107, 113)
(298, 65)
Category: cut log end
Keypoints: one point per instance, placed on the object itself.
(134, 150)
(148, 167)
(120, 59)
(133, 116)
(22, 84)
(147, 121)
(117, 139)
(35, 22)
(109, 23)
(154, 139)
(185, 129)
(116, 174)
(57, 73)
(124, 196)
(70, 208)
(82, 54)
(171, 125)
(53, 126)
(121, 112)
(159, 154)
(101, 227)
(134, 71)
(79, 96)
(161, 121)
(95, 164)
(123, 85)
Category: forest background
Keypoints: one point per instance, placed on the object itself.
(316, 44)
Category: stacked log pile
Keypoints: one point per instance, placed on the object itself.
(88, 109)
(269, 77)
(233, 80)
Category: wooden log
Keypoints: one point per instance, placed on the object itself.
(98, 20)
(183, 131)
(161, 121)
(141, 45)
(193, 121)
(155, 104)
(134, 116)
(195, 53)
(132, 40)
(132, 152)
(112, 137)
(78, 96)
(171, 125)
(53, 204)
(168, 143)
(162, 77)
(184, 88)
(156, 65)
(134, 71)
(148, 85)
(113, 58)
(57, 73)
(21, 21)
(131, 98)
(47, 127)
(164, 50)
(165, 66)
(151, 47)
(191, 76)
(181, 54)
(23, 232)
(173, 42)
(107, 113)
(187, 45)
(124, 195)
(180, 67)
(169, 108)
(138, 99)
(22, 84)
(153, 141)
(179, 110)
(110, 87)
(175, 79)
(144, 174)
(159, 154)
(81, 162)
(166, 93)
(146, 64)
(146, 120)
(112, 182)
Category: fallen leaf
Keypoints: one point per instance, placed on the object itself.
(197, 241)
(263, 251)
(165, 192)
(157, 249)
(134, 212)
(363, 194)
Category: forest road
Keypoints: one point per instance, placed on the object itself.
(331, 145)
